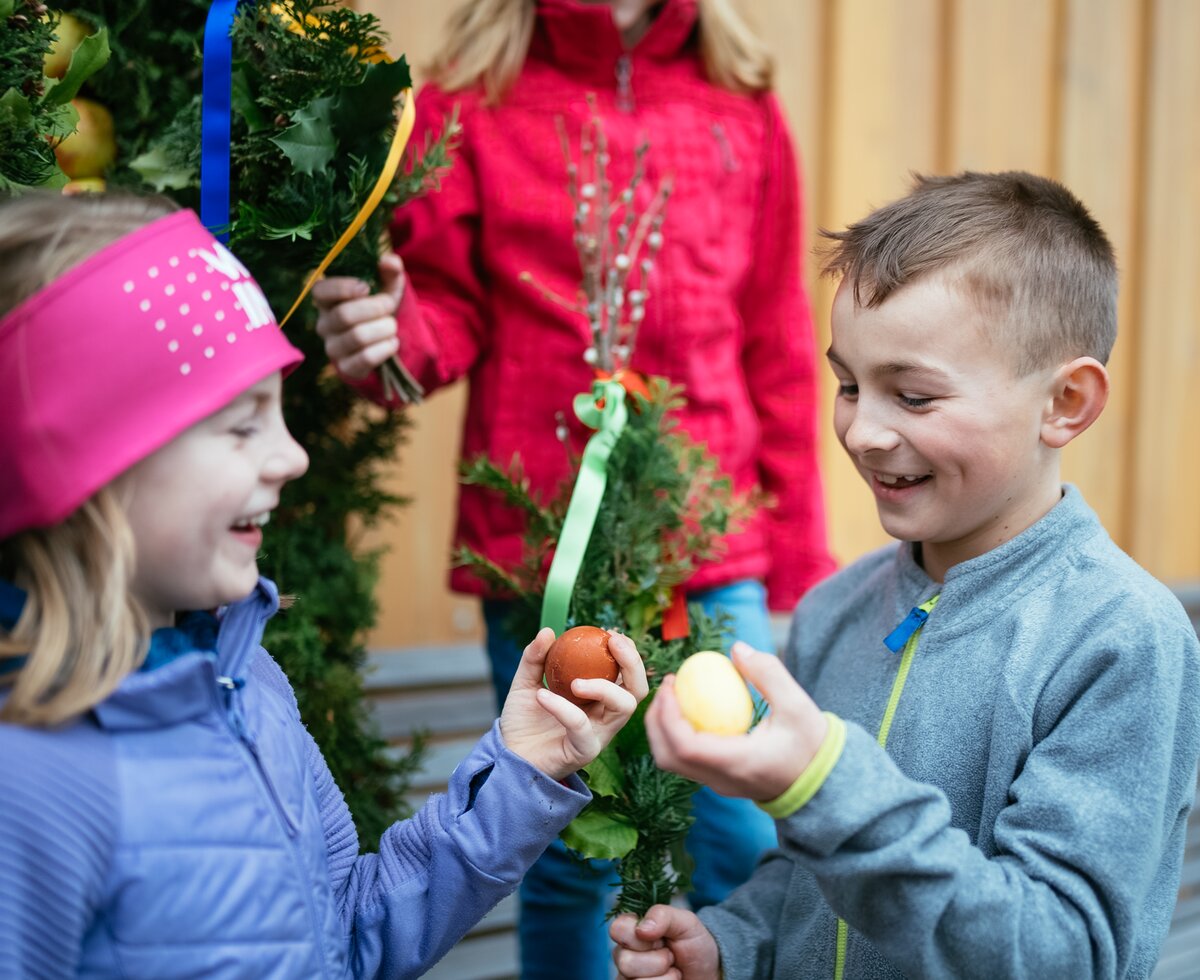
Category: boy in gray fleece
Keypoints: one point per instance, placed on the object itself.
(999, 782)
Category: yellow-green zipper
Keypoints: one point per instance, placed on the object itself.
(885, 726)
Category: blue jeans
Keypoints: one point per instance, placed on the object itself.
(563, 901)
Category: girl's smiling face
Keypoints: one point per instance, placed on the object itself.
(197, 505)
(936, 420)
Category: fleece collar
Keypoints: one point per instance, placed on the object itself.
(979, 590)
(582, 39)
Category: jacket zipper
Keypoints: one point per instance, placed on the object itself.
(624, 73)
(231, 686)
(904, 637)
(233, 713)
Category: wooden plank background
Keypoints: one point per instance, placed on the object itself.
(1101, 94)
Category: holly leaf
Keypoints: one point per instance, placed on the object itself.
(595, 834)
(87, 59)
(370, 105)
(15, 110)
(60, 122)
(160, 172)
(309, 142)
(242, 99)
(605, 777)
(6, 8)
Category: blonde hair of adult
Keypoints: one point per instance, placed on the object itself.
(81, 630)
(489, 39)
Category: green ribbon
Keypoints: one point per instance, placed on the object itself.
(605, 411)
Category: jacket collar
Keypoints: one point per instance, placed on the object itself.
(186, 686)
(987, 586)
(582, 39)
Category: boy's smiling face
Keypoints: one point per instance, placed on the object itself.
(938, 423)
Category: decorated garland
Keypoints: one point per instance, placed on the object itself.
(655, 504)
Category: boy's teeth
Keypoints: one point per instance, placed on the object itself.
(893, 480)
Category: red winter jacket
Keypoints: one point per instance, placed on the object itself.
(727, 316)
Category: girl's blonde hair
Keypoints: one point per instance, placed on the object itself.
(81, 631)
(489, 39)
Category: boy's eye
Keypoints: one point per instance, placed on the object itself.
(915, 402)
(847, 390)
(244, 431)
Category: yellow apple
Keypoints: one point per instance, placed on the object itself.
(68, 34)
(92, 148)
(712, 694)
(85, 185)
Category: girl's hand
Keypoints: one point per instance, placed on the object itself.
(759, 765)
(359, 330)
(667, 944)
(555, 735)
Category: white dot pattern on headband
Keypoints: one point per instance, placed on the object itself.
(224, 283)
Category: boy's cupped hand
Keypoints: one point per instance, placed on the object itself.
(667, 943)
(760, 765)
(550, 732)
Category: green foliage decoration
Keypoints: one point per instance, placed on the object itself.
(36, 111)
(665, 507)
(314, 111)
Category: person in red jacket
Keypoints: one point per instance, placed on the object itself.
(727, 318)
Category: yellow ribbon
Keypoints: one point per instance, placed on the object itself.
(403, 131)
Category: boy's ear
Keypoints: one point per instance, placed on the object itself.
(1078, 393)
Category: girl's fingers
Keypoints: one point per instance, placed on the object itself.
(327, 293)
(339, 346)
(614, 697)
(533, 659)
(633, 671)
(362, 363)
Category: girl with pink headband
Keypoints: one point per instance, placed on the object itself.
(165, 812)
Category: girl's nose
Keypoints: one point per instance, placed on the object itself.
(288, 461)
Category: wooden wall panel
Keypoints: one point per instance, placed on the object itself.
(1166, 452)
(1099, 154)
(1099, 93)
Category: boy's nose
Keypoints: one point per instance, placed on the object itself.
(869, 432)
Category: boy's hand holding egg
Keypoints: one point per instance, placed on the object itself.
(698, 719)
(602, 676)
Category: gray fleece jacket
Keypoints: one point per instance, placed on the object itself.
(1027, 816)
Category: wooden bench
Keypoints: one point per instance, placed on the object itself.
(446, 691)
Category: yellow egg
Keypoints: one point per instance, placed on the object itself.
(712, 694)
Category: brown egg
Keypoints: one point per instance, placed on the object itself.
(581, 651)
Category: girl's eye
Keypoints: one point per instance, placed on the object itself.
(244, 431)
(847, 390)
(915, 402)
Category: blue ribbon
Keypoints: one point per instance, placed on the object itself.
(215, 110)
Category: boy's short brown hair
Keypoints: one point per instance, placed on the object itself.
(1027, 249)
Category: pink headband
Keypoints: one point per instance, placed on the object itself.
(118, 356)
